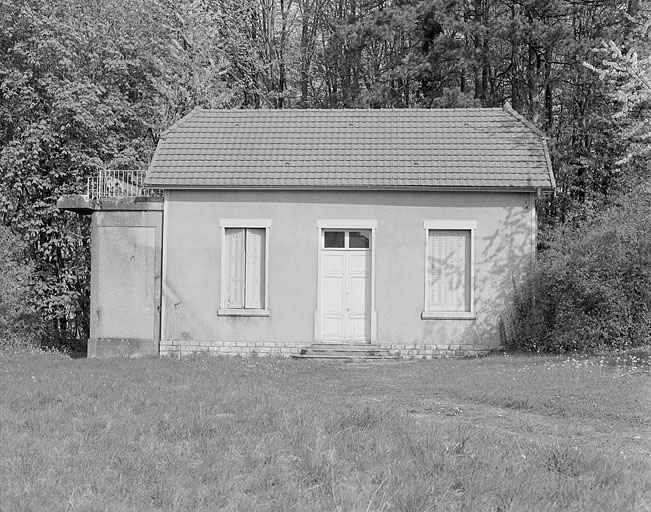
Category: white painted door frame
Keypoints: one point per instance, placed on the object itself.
(345, 225)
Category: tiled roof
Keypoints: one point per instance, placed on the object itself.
(352, 149)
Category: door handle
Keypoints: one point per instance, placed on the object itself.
(347, 301)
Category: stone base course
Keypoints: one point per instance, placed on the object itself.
(416, 351)
(183, 348)
(230, 348)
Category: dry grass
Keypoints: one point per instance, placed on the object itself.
(504, 433)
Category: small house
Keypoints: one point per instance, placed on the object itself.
(402, 230)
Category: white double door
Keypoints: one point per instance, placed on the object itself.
(346, 294)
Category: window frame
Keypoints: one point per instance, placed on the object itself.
(449, 225)
(346, 246)
(245, 224)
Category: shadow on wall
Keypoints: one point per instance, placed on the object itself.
(181, 322)
(506, 256)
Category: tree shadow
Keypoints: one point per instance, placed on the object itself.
(506, 256)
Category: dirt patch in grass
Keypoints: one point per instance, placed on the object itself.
(599, 401)
(609, 435)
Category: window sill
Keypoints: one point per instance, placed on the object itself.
(243, 312)
(447, 315)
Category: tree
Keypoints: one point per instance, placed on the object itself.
(628, 75)
(20, 324)
(74, 89)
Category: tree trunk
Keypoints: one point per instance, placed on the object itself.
(532, 84)
(549, 97)
(479, 49)
(305, 52)
(515, 90)
(282, 72)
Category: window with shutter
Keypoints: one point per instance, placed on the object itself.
(254, 282)
(244, 269)
(234, 269)
(449, 272)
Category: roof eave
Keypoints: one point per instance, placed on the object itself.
(532, 127)
(180, 122)
(356, 188)
(550, 169)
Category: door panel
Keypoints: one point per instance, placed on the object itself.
(334, 303)
(359, 294)
(358, 281)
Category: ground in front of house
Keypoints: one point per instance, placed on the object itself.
(498, 433)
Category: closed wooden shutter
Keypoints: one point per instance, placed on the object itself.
(449, 270)
(235, 263)
(255, 267)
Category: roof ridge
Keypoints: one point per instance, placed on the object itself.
(181, 121)
(401, 109)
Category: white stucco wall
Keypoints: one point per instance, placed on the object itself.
(504, 244)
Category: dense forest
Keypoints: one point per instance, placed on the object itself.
(90, 84)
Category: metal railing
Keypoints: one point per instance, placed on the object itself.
(118, 183)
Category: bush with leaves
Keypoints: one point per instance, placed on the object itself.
(591, 288)
(20, 325)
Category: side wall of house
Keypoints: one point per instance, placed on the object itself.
(192, 281)
(125, 281)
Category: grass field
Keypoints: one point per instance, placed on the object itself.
(501, 433)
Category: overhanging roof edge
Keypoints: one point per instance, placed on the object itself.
(179, 123)
(356, 188)
(550, 169)
(519, 117)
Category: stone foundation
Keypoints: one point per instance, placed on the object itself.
(182, 348)
(229, 348)
(416, 351)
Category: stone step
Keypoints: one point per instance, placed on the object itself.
(345, 347)
(340, 356)
(345, 351)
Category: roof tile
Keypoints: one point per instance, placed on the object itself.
(330, 149)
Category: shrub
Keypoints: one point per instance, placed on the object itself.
(20, 325)
(591, 288)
